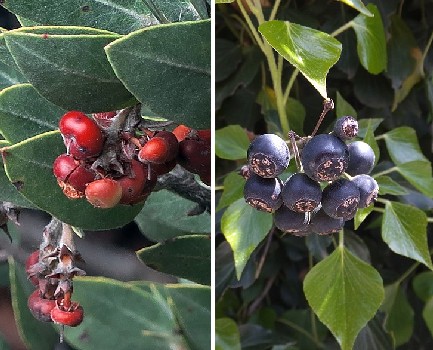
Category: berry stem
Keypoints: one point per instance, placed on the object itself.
(328, 105)
(295, 149)
(265, 253)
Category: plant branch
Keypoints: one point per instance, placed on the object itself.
(255, 304)
(264, 254)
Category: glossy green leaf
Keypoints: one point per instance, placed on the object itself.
(423, 285)
(28, 165)
(343, 108)
(10, 74)
(167, 67)
(371, 41)
(155, 223)
(358, 5)
(228, 55)
(120, 16)
(244, 228)
(311, 51)
(403, 146)
(227, 335)
(371, 140)
(231, 142)
(35, 334)
(361, 215)
(233, 190)
(427, 314)
(389, 186)
(373, 336)
(121, 316)
(48, 57)
(345, 293)
(399, 319)
(365, 124)
(419, 174)
(187, 257)
(21, 104)
(404, 230)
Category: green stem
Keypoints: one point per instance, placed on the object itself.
(341, 238)
(407, 272)
(424, 54)
(312, 314)
(274, 10)
(343, 28)
(387, 171)
(379, 210)
(290, 85)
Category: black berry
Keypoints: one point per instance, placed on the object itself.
(325, 157)
(323, 224)
(368, 189)
(340, 199)
(268, 155)
(301, 194)
(346, 128)
(361, 158)
(263, 194)
(292, 222)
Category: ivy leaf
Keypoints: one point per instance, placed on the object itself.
(361, 215)
(345, 293)
(48, 58)
(233, 190)
(427, 314)
(311, 51)
(244, 228)
(161, 75)
(227, 334)
(343, 107)
(231, 142)
(404, 229)
(402, 145)
(423, 285)
(370, 140)
(228, 55)
(358, 5)
(389, 186)
(371, 40)
(187, 257)
(419, 174)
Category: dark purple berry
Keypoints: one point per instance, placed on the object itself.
(346, 128)
(292, 222)
(340, 199)
(325, 157)
(268, 155)
(361, 158)
(263, 194)
(301, 194)
(368, 189)
(323, 224)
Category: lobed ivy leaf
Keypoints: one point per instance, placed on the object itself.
(374, 336)
(402, 145)
(244, 228)
(404, 229)
(361, 215)
(161, 75)
(358, 5)
(371, 140)
(343, 108)
(233, 190)
(156, 225)
(311, 51)
(423, 285)
(371, 41)
(419, 174)
(370, 123)
(227, 334)
(427, 314)
(228, 55)
(120, 16)
(231, 142)
(10, 74)
(389, 186)
(345, 293)
(48, 58)
(186, 257)
(22, 105)
(28, 166)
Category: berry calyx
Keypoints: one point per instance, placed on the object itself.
(103, 193)
(31, 261)
(70, 316)
(340, 199)
(263, 194)
(40, 307)
(346, 128)
(268, 155)
(301, 194)
(81, 135)
(156, 150)
(361, 158)
(104, 119)
(368, 189)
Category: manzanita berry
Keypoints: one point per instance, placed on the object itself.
(361, 158)
(71, 316)
(133, 185)
(172, 143)
(346, 128)
(195, 156)
(31, 261)
(104, 193)
(81, 135)
(40, 307)
(156, 150)
(368, 189)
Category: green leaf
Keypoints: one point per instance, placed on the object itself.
(224, 1)
(389, 186)
(311, 51)
(370, 139)
(231, 142)
(120, 16)
(48, 58)
(399, 319)
(404, 229)
(155, 223)
(227, 334)
(371, 40)
(3, 344)
(427, 314)
(244, 228)
(402, 144)
(187, 257)
(345, 293)
(167, 67)
(361, 215)
(343, 107)
(373, 336)
(233, 190)
(28, 165)
(10, 74)
(228, 55)
(423, 285)
(358, 5)
(22, 105)
(35, 334)
(419, 174)
(370, 123)
(121, 316)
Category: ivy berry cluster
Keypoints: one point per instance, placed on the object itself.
(330, 184)
(111, 158)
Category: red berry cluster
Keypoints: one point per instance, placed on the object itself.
(133, 159)
(52, 275)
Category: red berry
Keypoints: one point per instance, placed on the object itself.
(133, 185)
(81, 135)
(173, 144)
(72, 176)
(71, 317)
(104, 119)
(32, 260)
(204, 135)
(40, 307)
(156, 150)
(195, 156)
(164, 168)
(181, 132)
(103, 193)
